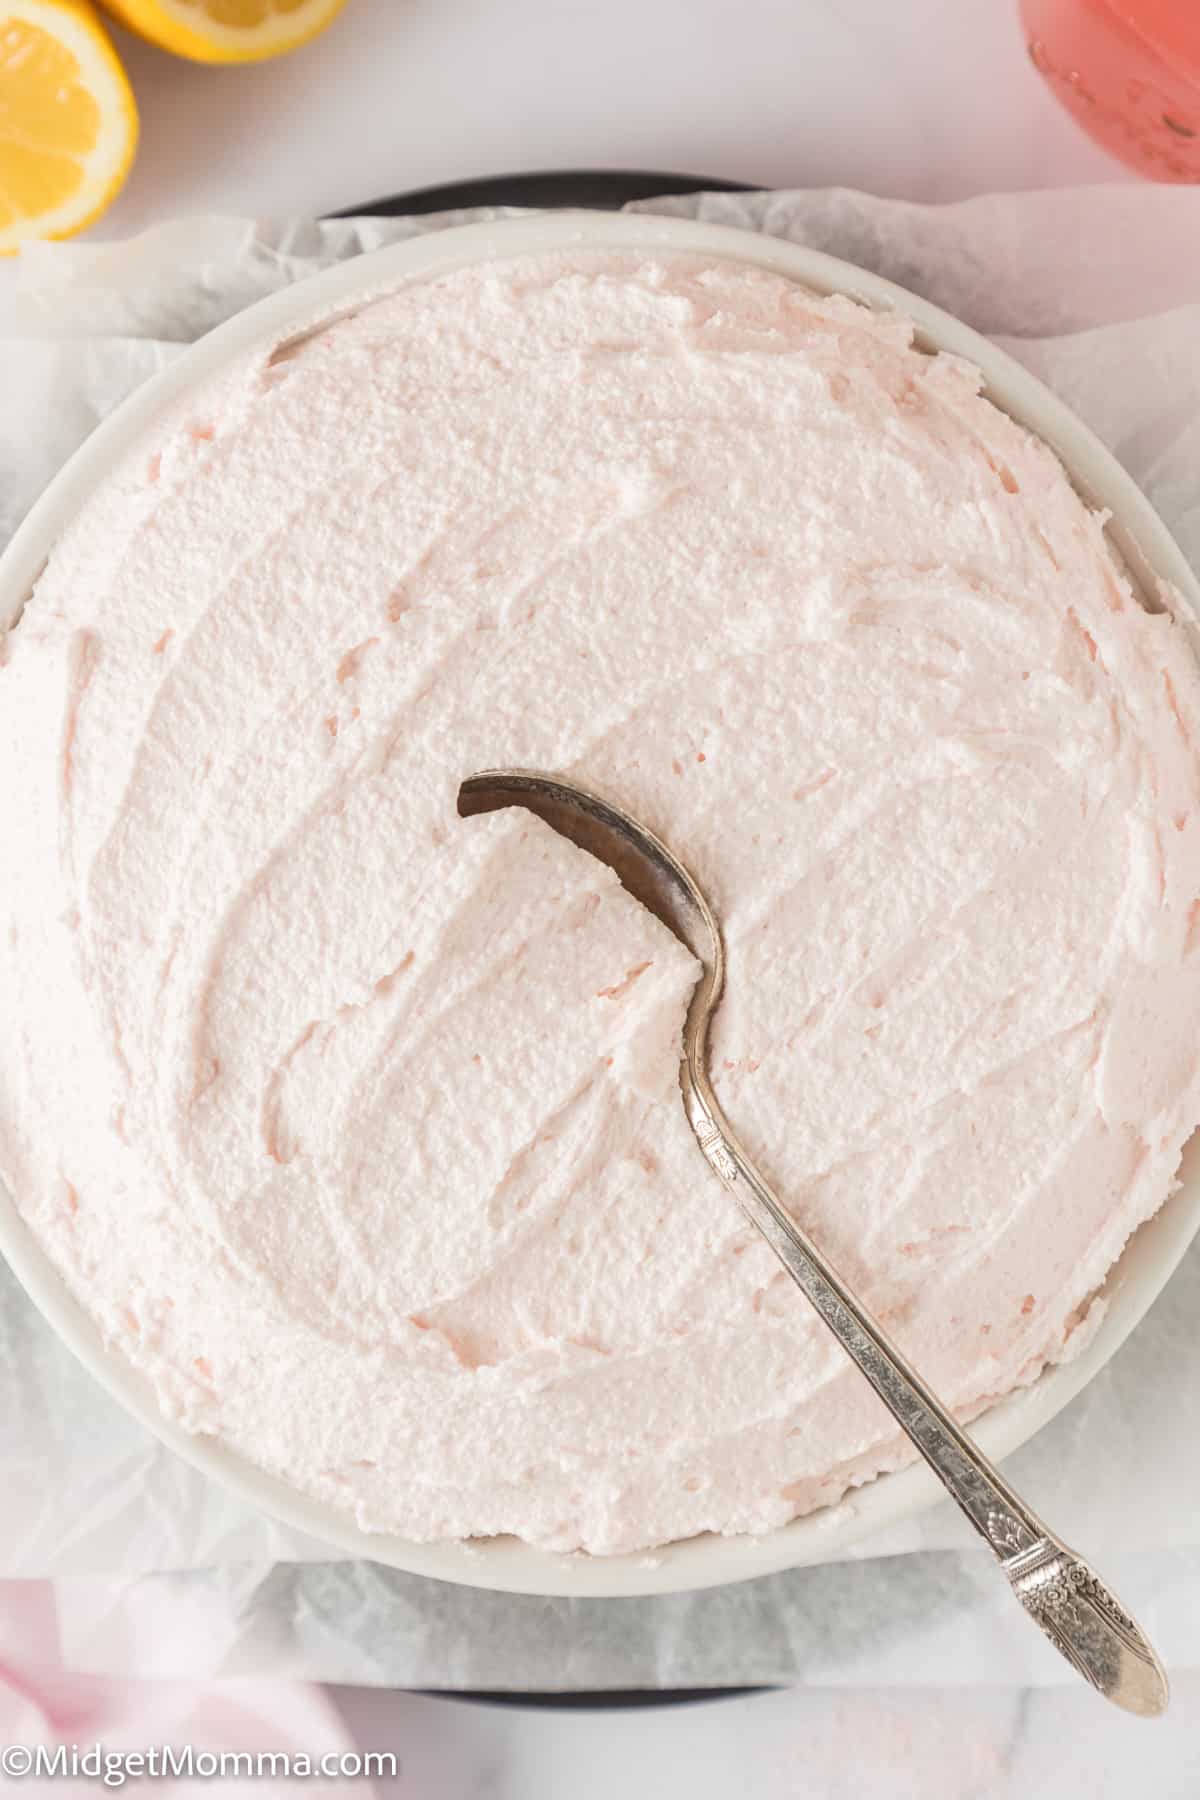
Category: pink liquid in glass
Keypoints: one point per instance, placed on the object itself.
(1129, 70)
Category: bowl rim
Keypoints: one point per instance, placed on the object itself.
(1152, 556)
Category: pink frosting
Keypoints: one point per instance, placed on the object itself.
(355, 1125)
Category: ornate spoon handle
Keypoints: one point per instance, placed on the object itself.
(1080, 1616)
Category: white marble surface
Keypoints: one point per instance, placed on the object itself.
(927, 100)
(797, 1744)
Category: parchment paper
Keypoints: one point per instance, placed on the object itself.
(1098, 291)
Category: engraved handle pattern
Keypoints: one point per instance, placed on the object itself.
(1088, 1626)
(1079, 1615)
(992, 1507)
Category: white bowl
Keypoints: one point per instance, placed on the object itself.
(1151, 1255)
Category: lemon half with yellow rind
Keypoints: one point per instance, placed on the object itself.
(68, 123)
(226, 31)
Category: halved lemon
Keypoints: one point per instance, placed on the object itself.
(68, 124)
(225, 30)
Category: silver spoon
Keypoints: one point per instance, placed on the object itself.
(1080, 1616)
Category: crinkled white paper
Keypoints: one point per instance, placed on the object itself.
(1097, 291)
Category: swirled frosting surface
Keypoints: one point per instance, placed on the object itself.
(355, 1124)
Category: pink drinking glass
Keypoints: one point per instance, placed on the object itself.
(1129, 70)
